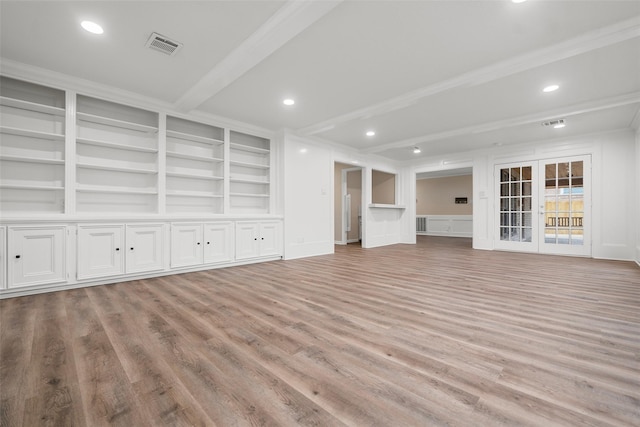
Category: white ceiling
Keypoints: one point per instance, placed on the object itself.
(447, 76)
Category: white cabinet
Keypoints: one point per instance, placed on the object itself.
(100, 251)
(145, 248)
(218, 242)
(186, 245)
(258, 239)
(106, 250)
(36, 255)
(194, 243)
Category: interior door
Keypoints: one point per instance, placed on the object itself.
(565, 202)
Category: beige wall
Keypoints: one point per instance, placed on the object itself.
(383, 187)
(436, 196)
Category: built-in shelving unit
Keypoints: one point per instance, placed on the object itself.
(195, 167)
(249, 173)
(32, 148)
(116, 158)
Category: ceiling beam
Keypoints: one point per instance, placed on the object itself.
(592, 40)
(564, 112)
(291, 19)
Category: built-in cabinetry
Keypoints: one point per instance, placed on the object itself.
(36, 255)
(195, 167)
(116, 157)
(109, 250)
(32, 148)
(257, 239)
(95, 191)
(249, 173)
(195, 243)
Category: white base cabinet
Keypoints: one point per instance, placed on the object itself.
(109, 250)
(194, 244)
(100, 251)
(145, 248)
(41, 258)
(37, 255)
(258, 239)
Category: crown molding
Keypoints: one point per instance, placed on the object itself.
(42, 76)
(290, 20)
(568, 111)
(592, 40)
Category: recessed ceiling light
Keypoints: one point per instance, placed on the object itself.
(551, 88)
(355, 162)
(518, 1)
(92, 27)
(288, 101)
(370, 133)
(416, 150)
(303, 150)
(559, 125)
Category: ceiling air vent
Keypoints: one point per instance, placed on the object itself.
(163, 44)
(554, 123)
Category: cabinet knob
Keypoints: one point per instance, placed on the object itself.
(131, 248)
(198, 242)
(117, 249)
(17, 256)
(255, 238)
(208, 243)
(262, 238)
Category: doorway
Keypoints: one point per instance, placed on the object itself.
(544, 206)
(347, 204)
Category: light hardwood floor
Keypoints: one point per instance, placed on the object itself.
(431, 334)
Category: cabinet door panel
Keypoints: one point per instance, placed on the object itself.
(247, 245)
(186, 245)
(270, 239)
(218, 242)
(144, 248)
(100, 251)
(37, 256)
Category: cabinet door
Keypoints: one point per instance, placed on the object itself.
(144, 248)
(100, 251)
(247, 245)
(218, 242)
(270, 239)
(37, 255)
(186, 245)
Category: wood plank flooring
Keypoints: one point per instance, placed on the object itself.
(426, 335)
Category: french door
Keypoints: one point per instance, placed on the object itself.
(544, 206)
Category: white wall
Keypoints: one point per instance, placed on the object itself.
(308, 186)
(637, 196)
(614, 183)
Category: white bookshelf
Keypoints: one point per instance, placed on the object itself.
(194, 167)
(116, 158)
(249, 173)
(32, 148)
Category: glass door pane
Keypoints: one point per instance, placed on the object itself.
(563, 206)
(516, 207)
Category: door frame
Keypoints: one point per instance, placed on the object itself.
(537, 244)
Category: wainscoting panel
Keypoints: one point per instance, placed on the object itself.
(445, 225)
